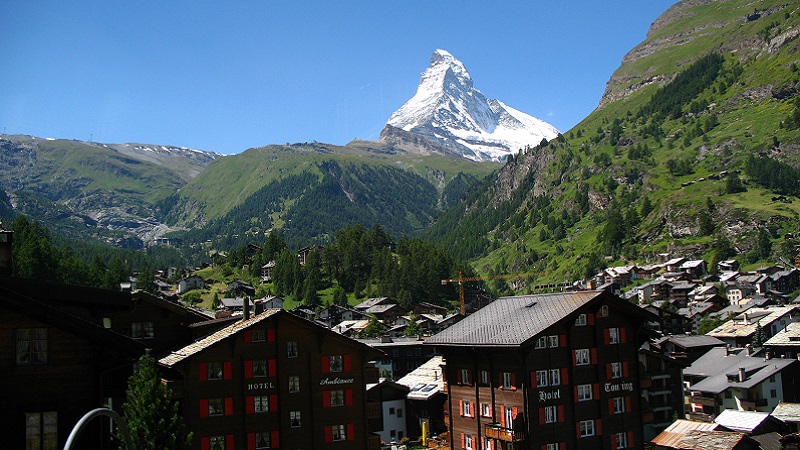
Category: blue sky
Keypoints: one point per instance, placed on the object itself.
(227, 76)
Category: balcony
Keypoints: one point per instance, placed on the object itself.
(705, 401)
(495, 431)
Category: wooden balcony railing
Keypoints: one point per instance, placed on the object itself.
(495, 431)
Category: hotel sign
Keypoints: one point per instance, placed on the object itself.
(335, 381)
(619, 387)
(253, 386)
(554, 394)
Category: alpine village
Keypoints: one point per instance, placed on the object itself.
(630, 283)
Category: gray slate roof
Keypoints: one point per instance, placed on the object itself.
(787, 412)
(511, 321)
(691, 341)
(788, 336)
(716, 367)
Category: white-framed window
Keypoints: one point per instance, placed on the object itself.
(553, 341)
(603, 311)
(550, 414)
(553, 446)
(41, 430)
(619, 405)
(217, 442)
(581, 320)
(582, 357)
(294, 383)
(486, 410)
(261, 403)
(541, 342)
(622, 440)
(484, 377)
(216, 406)
(338, 432)
(541, 378)
(336, 363)
(263, 440)
(215, 370)
(555, 377)
(142, 330)
(295, 420)
(337, 397)
(507, 382)
(468, 444)
(31, 346)
(465, 376)
(616, 370)
(466, 408)
(587, 428)
(258, 335)
(613, 336)
(292, 350)
(584, 392)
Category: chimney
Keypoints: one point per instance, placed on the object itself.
(767, 356)
(742, 375)
(6, 243)
(246, 308)
(728, 350)
(749, 349)
(745, 319)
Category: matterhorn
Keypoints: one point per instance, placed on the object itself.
(448, 112)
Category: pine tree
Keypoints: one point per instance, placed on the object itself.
(151, 415)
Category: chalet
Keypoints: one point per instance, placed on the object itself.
(674, 264)
(750, 422)
(730, 265)
(687, 347)
(785, 281)
(351, 328)
(274, 380)
(387, 312)
(661, 387)
(551, 370)
(268, 302)
(696, 311)
(370, 302)
(391, 396)
(426, 398)
(429, 308)
(668, 320)
(302, 254)
(235, 304)
(696, 268)
(786, 342)
(335, 314)
(788, 413)
(740, 330)
(266, 272)
(239, 287)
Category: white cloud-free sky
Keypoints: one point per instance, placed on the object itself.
(227, 76)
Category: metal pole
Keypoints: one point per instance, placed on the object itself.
(123, 428)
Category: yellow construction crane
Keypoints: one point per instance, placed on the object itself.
(462, 279)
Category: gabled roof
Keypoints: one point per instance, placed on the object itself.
(787, 412)
(675, 432)
(744, 421)
(426, 380)
(790, 335)
(692, 341)
(370, 302)
(514, 321)
(721, 371)
(711, 440)
(743, 326)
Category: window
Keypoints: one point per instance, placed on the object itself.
(258, 336)
(337, 397)
(291, 349)
(616, 370)
(603, 311)
(613, 335)
(507, 380)
(263, 440)
(622, 440)
(541, 342)
(466, 408)
(486, 410)
(580, 320)
(260, 368)
(468, 442)
(261, 403)
(584, 392)
(465, 376)
(488, 443)
(399, 412)
(336, 364)
(31, 346)
(582, 357)
(391, 411)
(552, 447)
(541, 378)
(773, 393)
(587, 428)
(216, 406)
(294, 383)
(553, 341)
(484, 377)
(215, 371)
(550, 414)
(555, 377)
(141, 330)
(619, 405)
(217, 442)
(41, 430)
(338, 433)
(294, 419)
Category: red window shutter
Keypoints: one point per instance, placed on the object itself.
(542, 418)
(544, 446)
(348, 397)
(205, 443)
(328, 434)
(248, 336)
(598, 427)
(229, 441)
(606, 336)
(560, 413)
(576, 393)
(202, 369)
(630, 439)
(272, 370)
(348, 363)
(472, 409)
(470, 377)
(594, 356)
(514, 412)
(251, 441)
(564, 375)
(562, 340)
(627, 404)
(227, 370)
(578, 429)
(275, 440)
(513, 381)
(203, 408)
(623, 335)
(562, 446)
(273, 403)
(351, 432)
(248, 368)
(271, 335)
(611, 406)
(590, 318)
(463, 441)
(533, 379)
(574, 357)
(251, 404)
(326, 364)
(609, 372)
(596, 392)
(625, 369)
(228, 406)
(326, 399)
(614, 442)
(502, 416)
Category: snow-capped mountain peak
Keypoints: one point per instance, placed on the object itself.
(449, 110)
